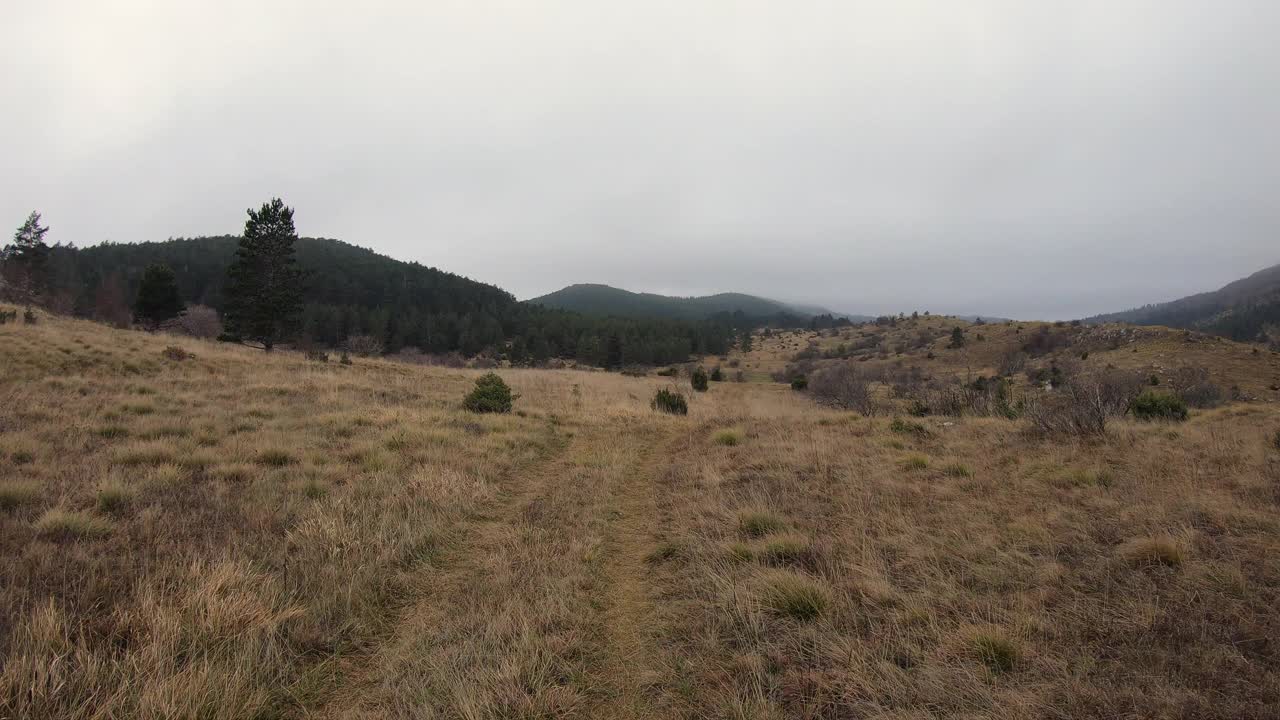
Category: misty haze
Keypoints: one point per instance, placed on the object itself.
(567, 359)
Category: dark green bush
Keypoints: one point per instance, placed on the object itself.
(1158, 406)
(799, 382)
(491, 395)
(668, 372)
(699, 379)
(671, 402)
(716, 374)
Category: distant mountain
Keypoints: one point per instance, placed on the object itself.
(1246, 310)
(604, 300)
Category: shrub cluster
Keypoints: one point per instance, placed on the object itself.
(491, 395)
(699, 379)
(1152, 405)
(670, 401)
(844, 386)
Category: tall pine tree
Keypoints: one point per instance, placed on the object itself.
(26, 260)
(158, 298)
(264, 289)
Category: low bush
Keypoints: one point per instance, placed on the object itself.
(717, 375)
(844, 386)
(670, 402)
(699, 379)
(173, 352)
(364, 345)
(1194, 386)
(491, 395)
(799, 382)
(1158, 406)
(668, 372)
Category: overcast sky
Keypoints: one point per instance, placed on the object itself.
(1020, 158)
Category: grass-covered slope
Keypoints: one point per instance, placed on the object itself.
(1247, 310)
(224, 533)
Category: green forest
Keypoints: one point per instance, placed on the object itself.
(351, 291)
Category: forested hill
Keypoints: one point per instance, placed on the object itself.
(1247, 309)
(350, 291)
(595, 299)
(604, 300)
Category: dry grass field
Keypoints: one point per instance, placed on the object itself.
(236, 534)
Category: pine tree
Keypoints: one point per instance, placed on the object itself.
(158, 298)
(957, 338)
(25, 260)
(264, 292)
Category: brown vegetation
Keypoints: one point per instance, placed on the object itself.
(239, 535)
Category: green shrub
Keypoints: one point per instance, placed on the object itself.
(670, 402)
(668, 372)
(699, 379)
(1158, 406)
(799, 382)
(716, 374)
(491, 395)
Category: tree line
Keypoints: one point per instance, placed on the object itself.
(270, 287)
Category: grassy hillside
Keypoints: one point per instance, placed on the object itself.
(224, 533)
(1247, 310)
(606, 300)
(991, 348)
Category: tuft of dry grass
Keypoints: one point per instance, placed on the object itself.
(728, 437)
(61, 524)
(17, 493)
(995, 649)
(758, 523)
(1160, 550)
(794, 596)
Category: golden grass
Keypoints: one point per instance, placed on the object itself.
(239, 534)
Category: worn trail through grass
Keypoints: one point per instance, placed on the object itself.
(541, 605)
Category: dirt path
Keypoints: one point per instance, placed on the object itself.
(542, 607)
(633, 675)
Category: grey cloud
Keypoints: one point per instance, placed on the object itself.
(1048, 159)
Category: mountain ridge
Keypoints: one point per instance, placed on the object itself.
(603, 299)
(1247, 309)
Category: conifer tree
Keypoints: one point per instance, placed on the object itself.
(25, 261)
(264, 292)
(158, 298)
